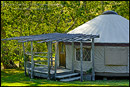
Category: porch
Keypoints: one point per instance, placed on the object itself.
(50, 70)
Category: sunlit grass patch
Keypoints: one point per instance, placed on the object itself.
(16, 77)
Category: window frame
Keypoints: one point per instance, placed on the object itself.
(77, 47)
(62, 48)
(118, 50)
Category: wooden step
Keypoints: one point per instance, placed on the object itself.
(40, 75)
(67, 75)
(70, 79)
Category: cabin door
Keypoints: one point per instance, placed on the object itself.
(62, 55)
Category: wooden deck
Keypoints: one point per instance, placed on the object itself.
(43, 72)
(62, 74)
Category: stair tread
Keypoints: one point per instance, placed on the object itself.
(70, 79)
(67, 75)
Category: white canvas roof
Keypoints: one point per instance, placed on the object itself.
(112, 28)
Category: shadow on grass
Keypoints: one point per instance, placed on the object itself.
(16, 77)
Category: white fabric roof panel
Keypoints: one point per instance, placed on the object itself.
(111, 28)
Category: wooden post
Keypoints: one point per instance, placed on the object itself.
(24, 60)
(72, 56)
(48, 77)
(128, 61)
(51, 54)
(56, 56)
(81, 59)
(93, 70)
(32, 61)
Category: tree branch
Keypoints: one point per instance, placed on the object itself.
(71, 26)
(58, 21)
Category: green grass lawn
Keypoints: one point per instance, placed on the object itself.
(15, 77)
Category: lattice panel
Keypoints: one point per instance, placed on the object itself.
(86, 54)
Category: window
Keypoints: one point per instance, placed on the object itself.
(62, 47)
(116, 56)
(86, 54)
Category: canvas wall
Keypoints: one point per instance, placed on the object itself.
(100, 65)
(86, 65)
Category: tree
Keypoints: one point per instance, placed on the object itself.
(23, 18)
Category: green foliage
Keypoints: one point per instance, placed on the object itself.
(89, 71)
(23, 18)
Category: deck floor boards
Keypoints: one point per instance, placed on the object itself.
(44, 70)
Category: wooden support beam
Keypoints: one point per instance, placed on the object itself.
(28, 62)
(40, 52)
(41, 61)
(128, 62)
(51, 53)
(41, 56)
(49, 43)
(29, 53)
(41, 65)
(93, 69)
(32, 61)
(56, 56)
(24, 60)
(81, 59)
(72, 56)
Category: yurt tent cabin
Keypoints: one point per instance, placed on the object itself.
(111, 52)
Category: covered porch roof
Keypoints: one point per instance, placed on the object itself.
(59, 37)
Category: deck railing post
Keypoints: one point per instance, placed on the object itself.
(93, 69)
(81, 59)
(32, 61)
(24, 59)
(56, 56)
(72, 56)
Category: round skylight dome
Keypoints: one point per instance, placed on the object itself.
(109, 12)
